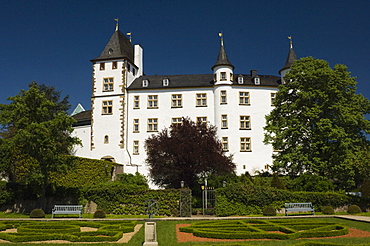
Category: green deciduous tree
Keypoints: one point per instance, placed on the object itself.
(35, 131)
(318, 123)
(186, 152)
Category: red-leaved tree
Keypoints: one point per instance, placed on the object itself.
(186, 152)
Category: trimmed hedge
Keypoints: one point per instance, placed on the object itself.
(239, 199)
(264, 229)
(67, 230)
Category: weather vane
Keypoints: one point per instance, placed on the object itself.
(291, 42)
(222, 39)
(130, 35)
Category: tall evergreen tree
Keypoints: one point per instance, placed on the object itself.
(35, 133)
(318, 123)
(186, 152)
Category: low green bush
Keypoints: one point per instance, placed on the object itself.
(99, 214)
(354, 209)
(269, 211)
(37, 213)
(327, 210)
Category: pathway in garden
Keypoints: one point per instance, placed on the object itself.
(354, 217)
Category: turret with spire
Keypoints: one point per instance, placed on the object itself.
(223, 69)
(289, 60)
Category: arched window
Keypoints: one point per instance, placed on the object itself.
(106, 139)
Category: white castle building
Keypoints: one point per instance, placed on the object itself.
(128, 106)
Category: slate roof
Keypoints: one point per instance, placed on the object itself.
(118, 47)
(290, 59)
(197, 80)
(222, 58)
(83, 118)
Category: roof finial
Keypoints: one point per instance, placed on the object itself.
(291, 42)
(222, 39)
(130, 35)
(116, 24)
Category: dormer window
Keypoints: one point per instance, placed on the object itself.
(257, 80)
(240, 79)
(166, 81)
(145, 83)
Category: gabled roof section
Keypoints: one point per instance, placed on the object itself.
(291, 57)
(197, 81)
(78, 109)
(83, 118)
(118, 47)
(222, 59)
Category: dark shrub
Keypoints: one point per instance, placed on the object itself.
(269, 211)
(99, 214)
(276, 182)
(37, 213)
(354, 209)
(327, 210)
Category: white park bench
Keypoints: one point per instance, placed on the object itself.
(299, 207)
(67, 209)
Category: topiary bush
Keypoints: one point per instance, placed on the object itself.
(37, 213)
(269, 211)
(354, 209)
(327, 210)
(99, 214)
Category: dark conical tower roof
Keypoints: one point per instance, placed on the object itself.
(290, 59)
(118, 47)
(222, 57)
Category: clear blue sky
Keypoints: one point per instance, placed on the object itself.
(52, 42)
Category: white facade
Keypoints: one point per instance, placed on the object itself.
(128, 107)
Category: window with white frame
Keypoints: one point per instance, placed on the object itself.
(245, 144)
(136, 102)
(108, 84)
(223, 76)
(107, 107)
(176, 101)
(244, 98)
(145, 83)
(202, 119)
(225, 143)
(273, 97)
(240, 79)
(136, 147)
(223, 97)
(245, 122)
(223, 121)
(152, 125)
(166, 82)
(201, 100)
(152, 101)
(136, 125)
(176, 121)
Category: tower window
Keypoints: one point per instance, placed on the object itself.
(114, 65)
(108, 84)
(223, 76)
(136, 147)
(223, 121)
(223, 97)
(102, 66)
(136, 125)
(107, 107)
(231, 77)
(225, 143)
(106, 139)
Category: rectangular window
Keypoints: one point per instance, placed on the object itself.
(107, 107)
(102, 66)
(202, 120)
(225, 143)
(223, 121)
(245, 123)
(136, 125)
(136, 102)
(223, 97)
(201, 100)
(108, 84)
(152, 125)
(245, 144)
(114, 65)
(273, 97)
(177, 121)
(223, 76)
(240, 80)
(152, 101)
(231, 77)
(244, 98)
(136, 147)
(176, 101)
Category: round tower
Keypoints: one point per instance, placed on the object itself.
(223, 69)
(289, 60)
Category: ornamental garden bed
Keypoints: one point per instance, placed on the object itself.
(69, 231)
(237, 230)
